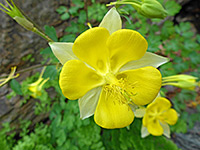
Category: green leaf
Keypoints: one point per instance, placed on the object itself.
(198, 38)
(61, 9)
(16, 87)
(73, 28)
(65, 16)
(123, 139)
(50, 72)
(183, 27)
(68, 38)
(154, 41)
(78, 3)
(82, 17)
(180, 126)
(47, 53)
(51, 32)
(167, 29)
(172, 7)
(74, 10)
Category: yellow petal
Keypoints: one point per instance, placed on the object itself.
(62, 51)
(155, 128)
(125, 45)
(146, 84)
(145, 120)
(90, 47)
(149, 59)
(76, 79)
(111, 21)
(112, 114)
(170, 116)
(159, 105)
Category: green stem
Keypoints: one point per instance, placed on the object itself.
(43, 35)
(134, 3)
(36, 29)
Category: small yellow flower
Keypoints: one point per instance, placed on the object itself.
(36, 87)
(157, 117)
(10, 76)
(182, 81)
(108, 70)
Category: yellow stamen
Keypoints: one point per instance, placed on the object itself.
(89, 25)
(120, 90)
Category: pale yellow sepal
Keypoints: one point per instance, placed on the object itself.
(149, 59)
(166, 129)
(111, 21)
(144, 132)
(88, 103)
(139, 113)
(62, 51)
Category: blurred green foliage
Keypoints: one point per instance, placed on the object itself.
(66, 130)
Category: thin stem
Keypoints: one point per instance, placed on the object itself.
(134, 3)
(29, 69)
(43, 35)
(36, 29)
(4, 7)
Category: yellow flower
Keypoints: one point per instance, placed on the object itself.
(108, 70)
(10, 76)
(182, 81)
(36, 87)
(157, 117)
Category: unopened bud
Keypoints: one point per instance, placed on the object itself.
(14, 12)
(24, 22)
(152, 9)
(181, 81)
(147, 8)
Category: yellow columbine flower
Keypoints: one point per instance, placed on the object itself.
(36, 87)
(157, 117)
(182, 81)
(108, 70)
(10, 76)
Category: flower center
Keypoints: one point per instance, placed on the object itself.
(119, 90)
(157, 115)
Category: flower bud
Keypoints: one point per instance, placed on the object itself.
(17, 15)
(181, 81)
(151, 9)
(24, 22)
(147, 8)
